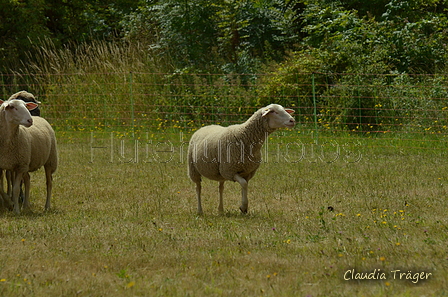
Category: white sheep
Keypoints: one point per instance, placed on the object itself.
(27, 143)
(26, 97)
(233, 153)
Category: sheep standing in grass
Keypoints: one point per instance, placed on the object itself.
(26, 97)
(27, 143)
(233, 153)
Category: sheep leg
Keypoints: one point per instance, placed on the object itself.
(22, 194)
(221, 190)
(244, 201)
(9, 181)
(2, 191)
(16, 191)
(26, 182)
(49, 177)
(6, 199)
(198, 195)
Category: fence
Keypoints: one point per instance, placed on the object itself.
(392, 109)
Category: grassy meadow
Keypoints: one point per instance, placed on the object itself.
(359, 187)
(123, 223)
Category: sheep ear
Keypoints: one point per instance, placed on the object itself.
(266, 111)
(1, 101)
(31, 105)
(290, 111)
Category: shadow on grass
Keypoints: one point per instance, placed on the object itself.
(237, 214)
(30, 213)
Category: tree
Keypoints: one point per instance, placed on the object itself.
(253, 32)
(234, 36)
(21, 24)
(185, 29)
(406, 38)
(24, 24)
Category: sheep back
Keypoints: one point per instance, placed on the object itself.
(43, 145)
(203, 153)
(219, 153)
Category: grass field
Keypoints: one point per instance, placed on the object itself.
(127, 226)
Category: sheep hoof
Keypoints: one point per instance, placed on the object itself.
(243, 209)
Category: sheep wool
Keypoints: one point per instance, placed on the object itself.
(27, 143)
(233, 153)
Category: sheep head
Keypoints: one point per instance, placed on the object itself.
(17, 112)
(278, 117)
(25, 96)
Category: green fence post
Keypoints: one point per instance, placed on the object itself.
(132, 104)
(299, 116)
(359, 106)
(315, 108)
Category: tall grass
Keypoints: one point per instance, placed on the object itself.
(108, 87)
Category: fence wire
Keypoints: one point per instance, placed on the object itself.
(410, 110)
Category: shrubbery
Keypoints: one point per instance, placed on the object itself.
(345, 65)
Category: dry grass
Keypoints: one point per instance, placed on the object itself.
(127, 229)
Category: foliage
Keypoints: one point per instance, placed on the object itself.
(252, 32)
(239, 36)
(184, 29)
(20, 24)
(230, 36)
(406, 38)
(24, 24)
(183, 41)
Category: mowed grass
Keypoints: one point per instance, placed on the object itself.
(120, 228)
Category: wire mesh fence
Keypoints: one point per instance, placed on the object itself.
(407, 111)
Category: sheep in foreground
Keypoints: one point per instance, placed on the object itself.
(233, 153)
(26, 97)
(27, 143)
